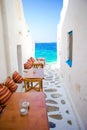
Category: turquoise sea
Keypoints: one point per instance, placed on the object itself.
(46, 50)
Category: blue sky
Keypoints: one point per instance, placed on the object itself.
(42, 16)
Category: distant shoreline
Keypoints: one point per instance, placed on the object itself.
(44, 42)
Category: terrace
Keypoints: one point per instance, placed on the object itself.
(59, 109)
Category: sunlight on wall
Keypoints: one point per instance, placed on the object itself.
(59, 28)
(62, 16)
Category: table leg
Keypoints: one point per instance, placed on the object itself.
(28, 84)
(25, 85)
(40, 84)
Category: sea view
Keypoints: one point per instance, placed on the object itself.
(46, 50)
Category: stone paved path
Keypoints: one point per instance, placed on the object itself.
(60, 112)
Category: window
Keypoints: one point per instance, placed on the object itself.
(70, 44)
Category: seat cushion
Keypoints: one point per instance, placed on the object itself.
(28, 65)
(17, 77)
(11, 84)
(5, 94)
(1, 109)
(31, 59)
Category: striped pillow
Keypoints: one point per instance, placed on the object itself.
(5, 94)
(1, 109)
(32, 59)
(11, 84)
(28, 65)
(17, 77)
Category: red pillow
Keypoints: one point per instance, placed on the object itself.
(31, 59)
(11, 84)
(5, 94)
(1, 109)
(17, 77)
(28, 65)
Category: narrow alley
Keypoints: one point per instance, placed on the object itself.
(60, 112)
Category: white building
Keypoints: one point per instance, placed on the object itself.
(16, 46)
(16, 43)
(72, 39)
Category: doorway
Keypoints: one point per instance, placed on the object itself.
(19, 58)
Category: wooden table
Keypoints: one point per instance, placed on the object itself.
(33, 79)
(36, 119)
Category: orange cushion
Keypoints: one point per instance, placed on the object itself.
(5, 94)
(11, 84)
(28, 65)
(31, 59)
(1, 109)
(17, 77)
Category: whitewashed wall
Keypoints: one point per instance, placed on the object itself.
(74, 17)
(3, 68)
(14, 43)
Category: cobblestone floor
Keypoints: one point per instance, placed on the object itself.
(60, 112)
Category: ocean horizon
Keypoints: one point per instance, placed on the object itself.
(47, 50)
